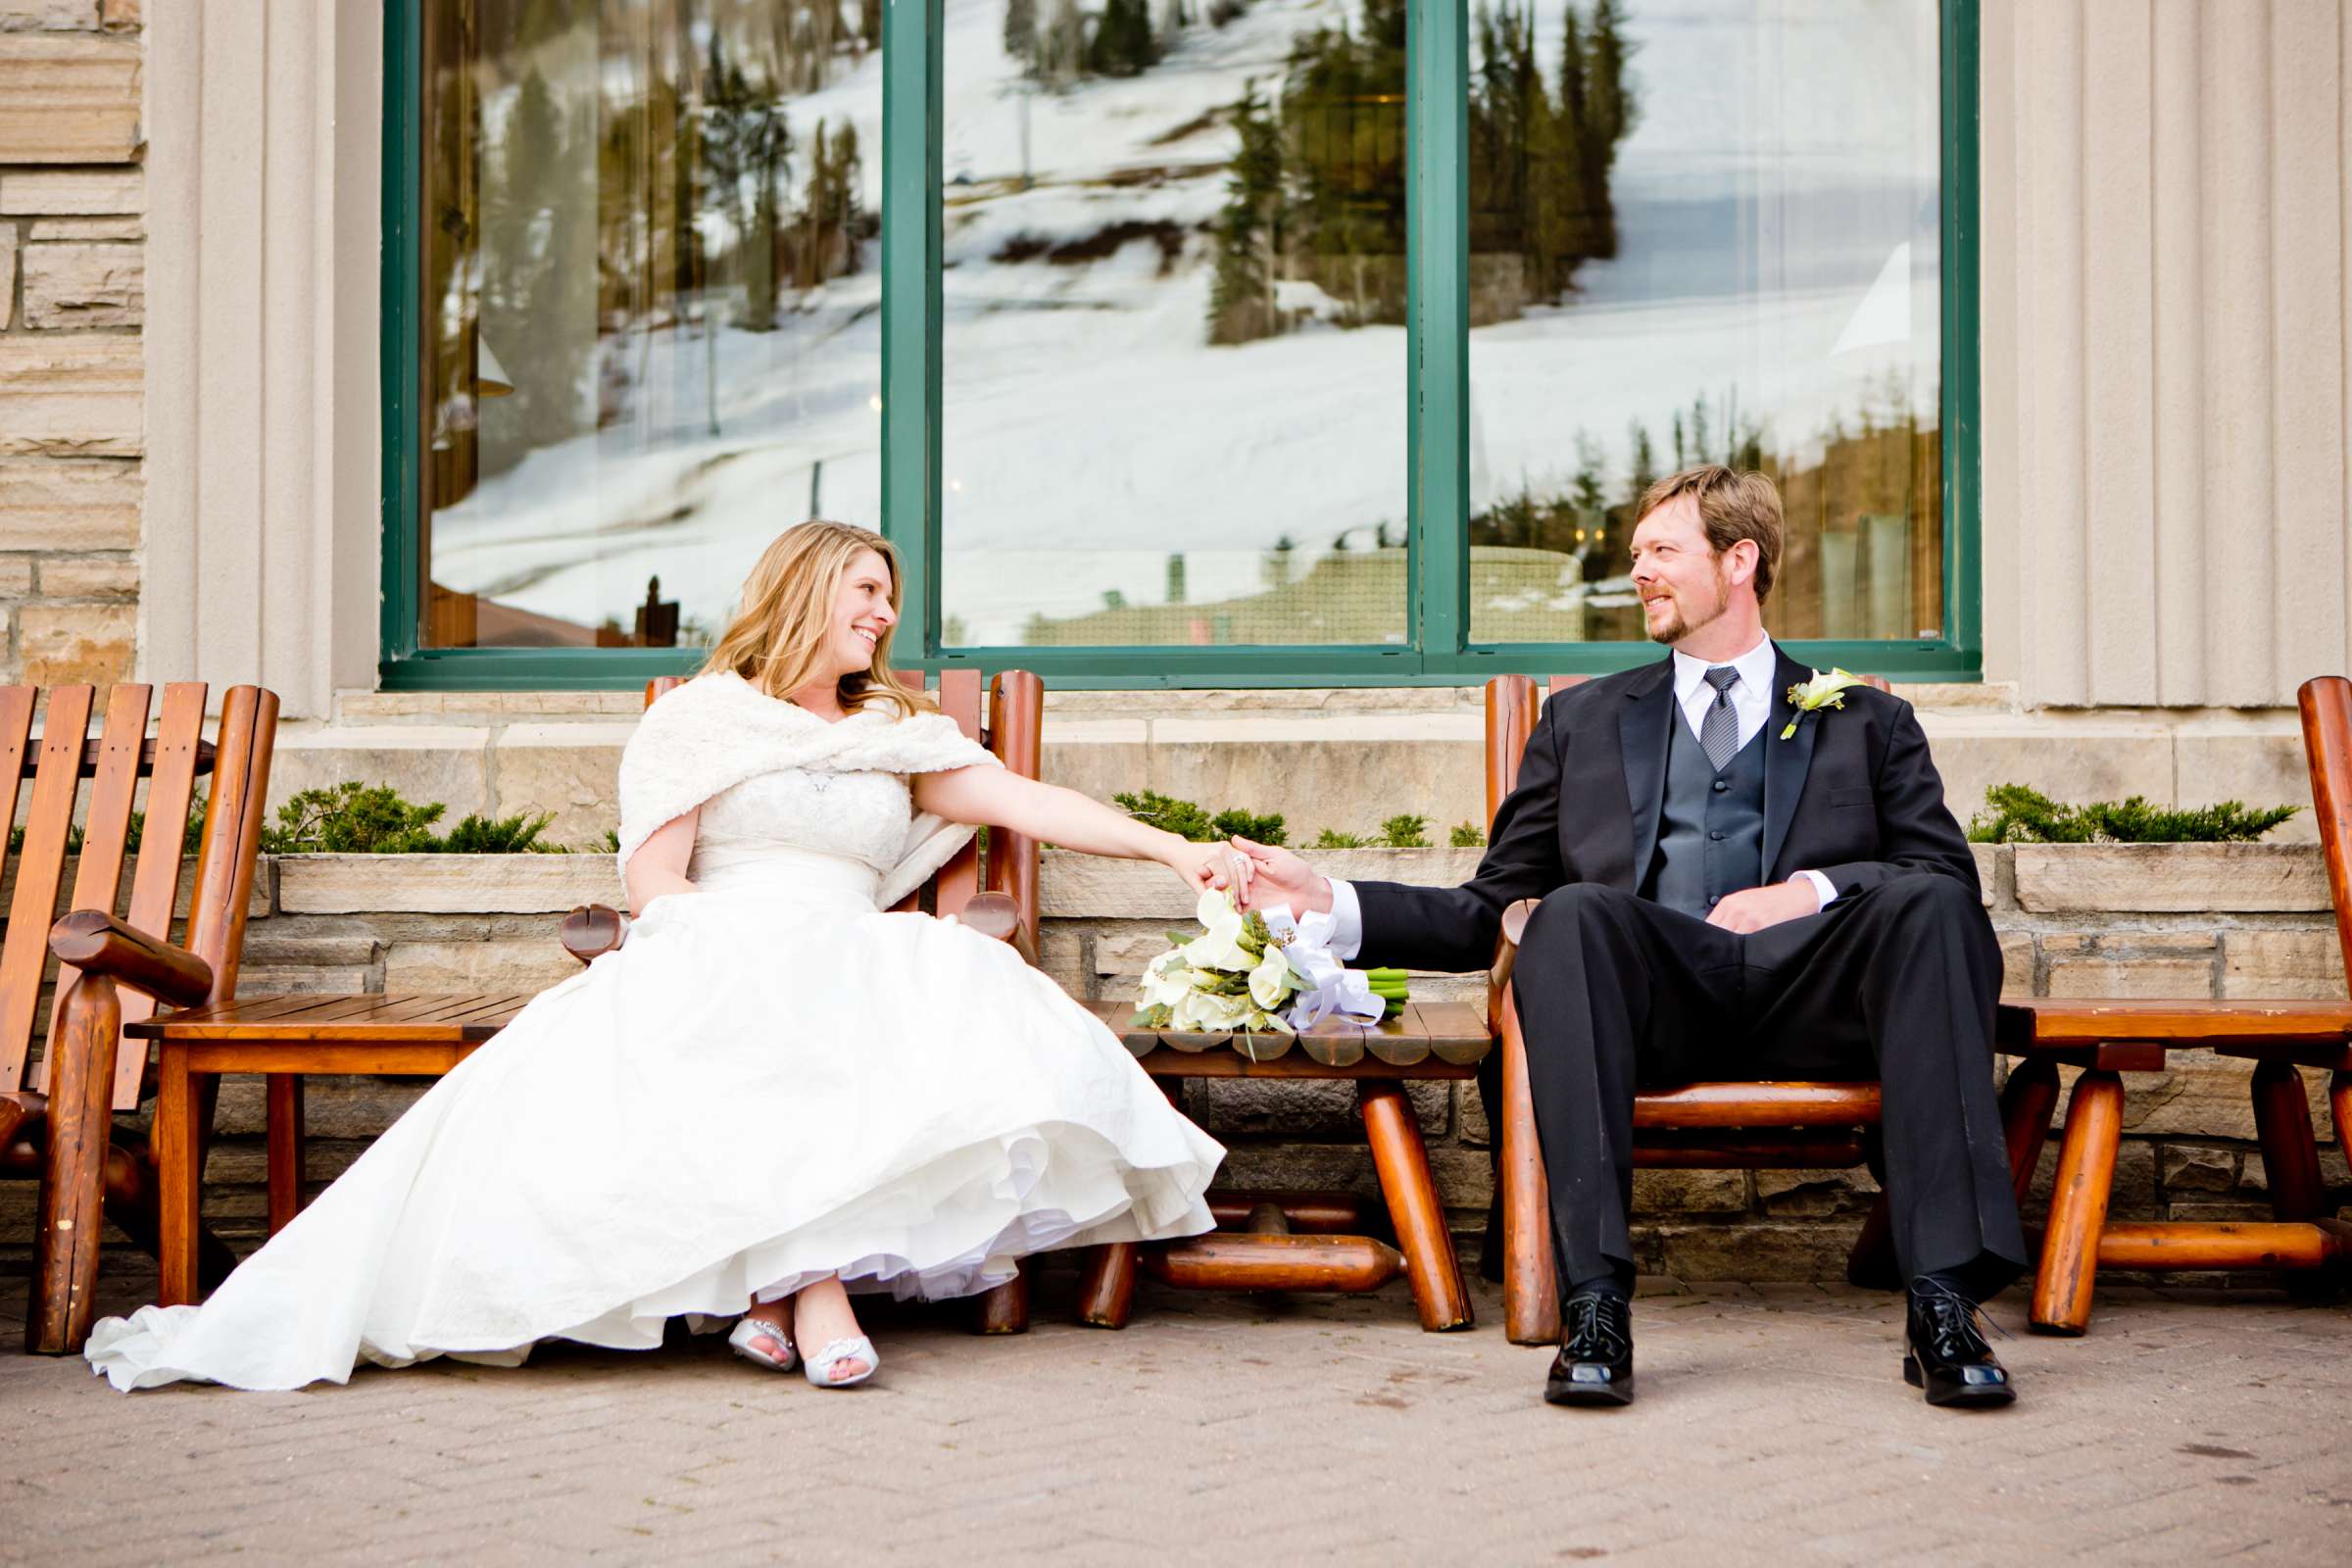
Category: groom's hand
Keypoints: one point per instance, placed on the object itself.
(1281, 877)
(1758, 907)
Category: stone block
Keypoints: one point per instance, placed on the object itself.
(2220, 1211)
(2200, 1096)
(8, 275)
(88, 228)
(68, 395)
(73, 284)
(78, 192)
(325, 941)
(571, 770)
(93, 577)
(49, 16)
(49, 504)
(70, 98)
(1463, 1176)
(2187, 1169)
(2104, 760)
(1302, 1108)
(1759, 1251)
(2169, 878)
(303, 980)
(1347, 772)
(444, 884)
(1690, 1192)
(66, 644)
(2017, 964)
(1989, 858)
(2148, 963)
(2134, 1196)
(333, 1106)
(1097, 757)
(1470, 1117)
(2273, 962)
(425, 765)
(120, 16)
(2260, 766)
(15, 577)
(517, 964)
(1812, 1194)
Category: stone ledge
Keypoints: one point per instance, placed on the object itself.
(2169, 878)
(444, 884)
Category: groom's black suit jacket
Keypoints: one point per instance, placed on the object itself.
(1852, 795)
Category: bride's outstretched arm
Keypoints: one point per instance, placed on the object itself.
(660, 864)
(1074, 821)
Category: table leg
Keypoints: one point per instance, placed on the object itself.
(1397, 1156)
(286, 1148)
(178, 1177)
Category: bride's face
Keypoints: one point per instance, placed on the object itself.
(862, 612)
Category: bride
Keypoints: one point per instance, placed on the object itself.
(774, 1092)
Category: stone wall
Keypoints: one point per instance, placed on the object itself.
(71, 304)
(2138, 920)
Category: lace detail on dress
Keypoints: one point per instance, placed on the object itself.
(861, 815)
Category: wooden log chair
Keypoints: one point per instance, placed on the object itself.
(118, 960)
(2106, 1039)
(994, 894)
(1704, 1126)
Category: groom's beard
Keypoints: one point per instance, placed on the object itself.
(1682, 625)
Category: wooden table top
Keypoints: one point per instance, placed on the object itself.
(1427, 1039)
(404, 1017)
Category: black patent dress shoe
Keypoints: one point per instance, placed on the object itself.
(1946, 1353)
(1595, 1363)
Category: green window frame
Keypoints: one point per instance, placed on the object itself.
(1438, 651)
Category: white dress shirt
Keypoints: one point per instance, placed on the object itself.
(1752, 700)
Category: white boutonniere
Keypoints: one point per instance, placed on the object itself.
(1822, 691)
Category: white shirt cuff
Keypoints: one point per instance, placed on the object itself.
(1821, 886)
(1347, 920)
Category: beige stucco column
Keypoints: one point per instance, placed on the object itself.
(264, 126)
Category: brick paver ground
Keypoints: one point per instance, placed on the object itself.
(1772, 1427)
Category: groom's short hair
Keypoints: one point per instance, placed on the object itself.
(1732, 506)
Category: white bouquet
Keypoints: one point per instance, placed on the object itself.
(1232, 978)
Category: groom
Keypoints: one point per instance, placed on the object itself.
(1722, 901)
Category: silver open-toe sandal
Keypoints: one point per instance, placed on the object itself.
(857, 1347)
(745, 1337)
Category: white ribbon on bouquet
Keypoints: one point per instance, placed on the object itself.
(1326, 986)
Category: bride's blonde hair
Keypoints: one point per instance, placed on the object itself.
(777, 638)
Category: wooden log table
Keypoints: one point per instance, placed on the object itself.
(407, 1033)
(1285, 1243)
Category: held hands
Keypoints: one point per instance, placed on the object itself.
(1277, 876)
(1758, 907)
(1211, 865)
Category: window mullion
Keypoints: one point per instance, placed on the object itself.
(1439, 311)
(910, 308)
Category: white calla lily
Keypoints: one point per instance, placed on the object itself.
(1822, 691)
(1168, 980)
(1221, 946)
(1271, 981)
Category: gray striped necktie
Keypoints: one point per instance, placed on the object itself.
(1718, 731)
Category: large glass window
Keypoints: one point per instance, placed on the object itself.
(1704, 232)
(1173, 339)
(650, 307)
(1215, 341)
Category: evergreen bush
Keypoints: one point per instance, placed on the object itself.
(1188, 820)
(1331, 838)
(2017, 814)
(1468, 836)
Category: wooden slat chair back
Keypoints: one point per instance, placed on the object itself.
(998, 897)
(1736, 1126)
(56, 1119)
(2108, 1038)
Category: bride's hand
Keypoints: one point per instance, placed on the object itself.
(1211, 865)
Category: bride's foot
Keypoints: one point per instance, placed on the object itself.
(821, 1312)
(765, 1335)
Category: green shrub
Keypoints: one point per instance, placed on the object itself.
(1466, 836)
(351, 818)
(2017, 814)
(1238, 823)
(1404, 831)
(1188, 820)
(501, 835)
(1331, 838)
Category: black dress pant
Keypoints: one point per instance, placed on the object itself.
(1898, 983)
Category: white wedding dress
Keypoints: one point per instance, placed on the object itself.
(771, 1081)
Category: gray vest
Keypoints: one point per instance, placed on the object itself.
(1710, 826)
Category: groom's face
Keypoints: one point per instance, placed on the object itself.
(1679, 576)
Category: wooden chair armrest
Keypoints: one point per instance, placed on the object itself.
(1506, 956)
(593, 930)
(96, 942)
(996, 914)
